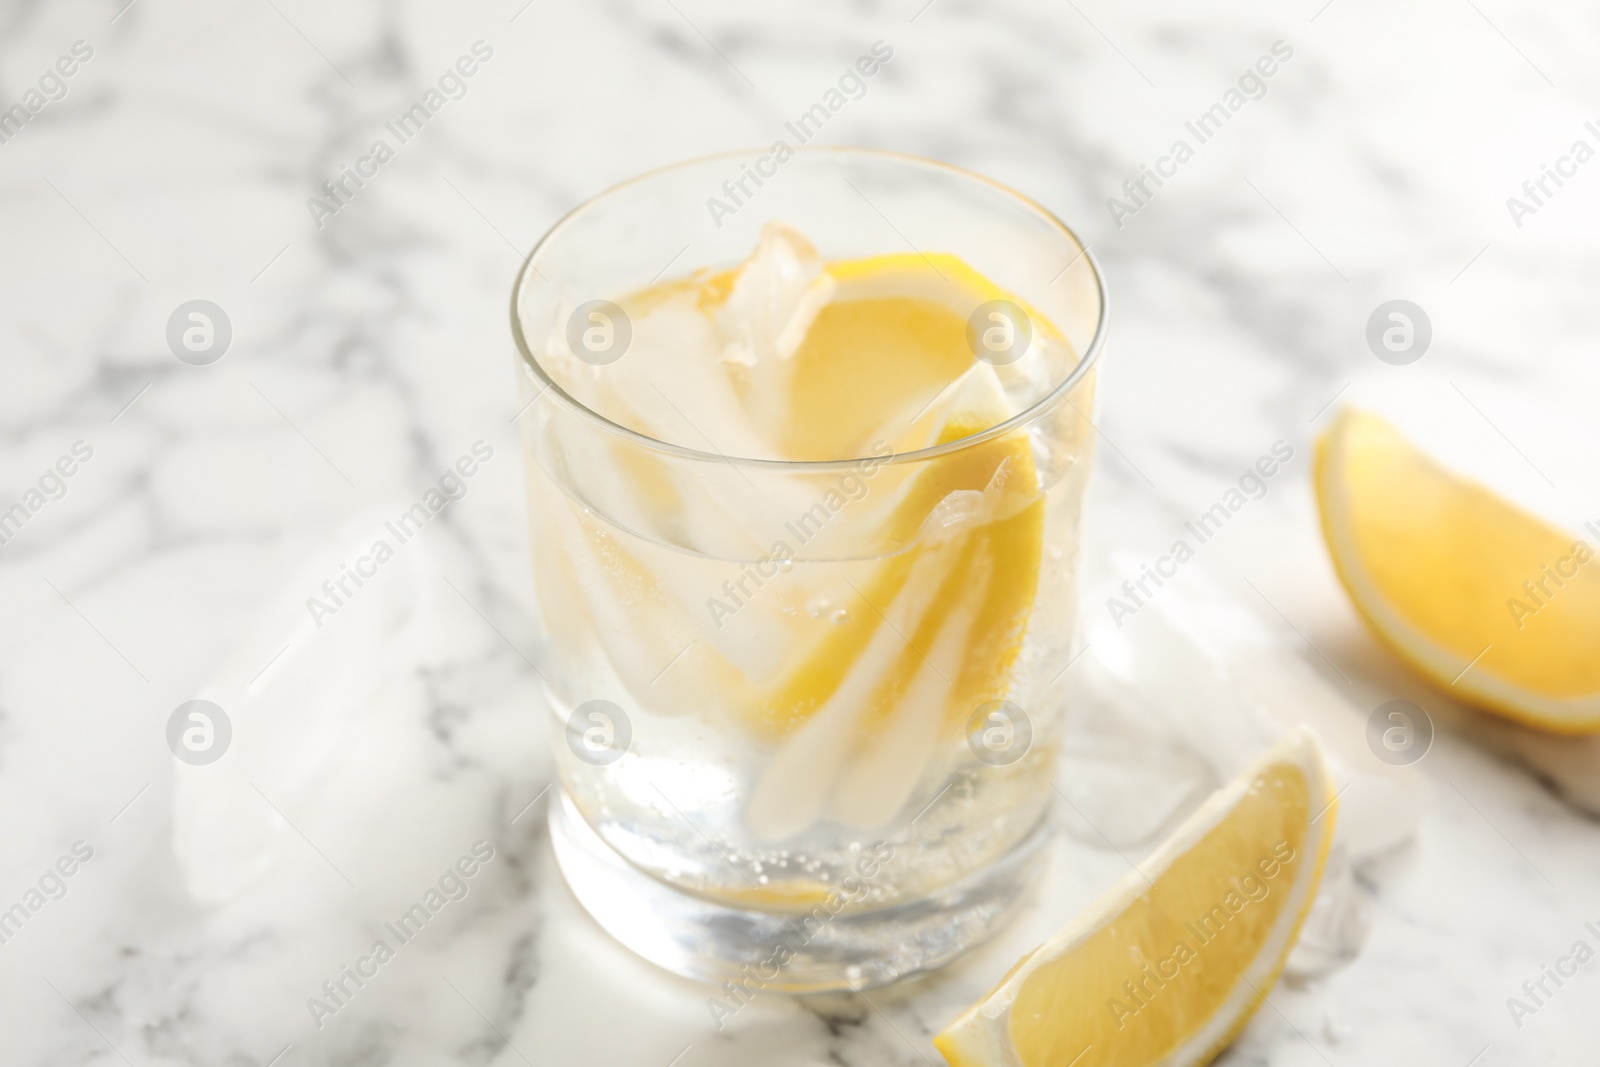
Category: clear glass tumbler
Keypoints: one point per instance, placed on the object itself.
(740, 801)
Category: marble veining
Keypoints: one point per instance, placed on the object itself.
(370, 349)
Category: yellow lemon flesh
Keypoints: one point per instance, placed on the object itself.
(1490, 602)
(893, 332)
(895, 329)
(857, 355)
(992, 569)
(1169, 964)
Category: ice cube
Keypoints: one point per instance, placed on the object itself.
(778, 293)
(295, 716)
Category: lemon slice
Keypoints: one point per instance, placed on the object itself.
(893, 334)
(936, 629)
(821, 360)
(1169, 964)
(998, 483)
(1489, 601)
(894, 330)
(939, 630)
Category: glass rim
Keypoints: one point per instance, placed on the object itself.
(1086, 361)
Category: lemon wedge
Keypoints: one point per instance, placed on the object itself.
(809, 359)
(1487, 600)
(938, 632)
(1004, 524)
(894, 333)
(1169, 964)
(937, 629)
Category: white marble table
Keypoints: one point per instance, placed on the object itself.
(369, 351)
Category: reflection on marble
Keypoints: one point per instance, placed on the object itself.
(368, 353)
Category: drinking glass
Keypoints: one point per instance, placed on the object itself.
(819, 842)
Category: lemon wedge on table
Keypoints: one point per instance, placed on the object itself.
(1169, 964)
(1489, 601)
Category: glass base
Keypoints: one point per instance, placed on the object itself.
(818, 952)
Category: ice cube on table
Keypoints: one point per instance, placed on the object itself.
(1225, 684)
(298, 696)
(1191, 690)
